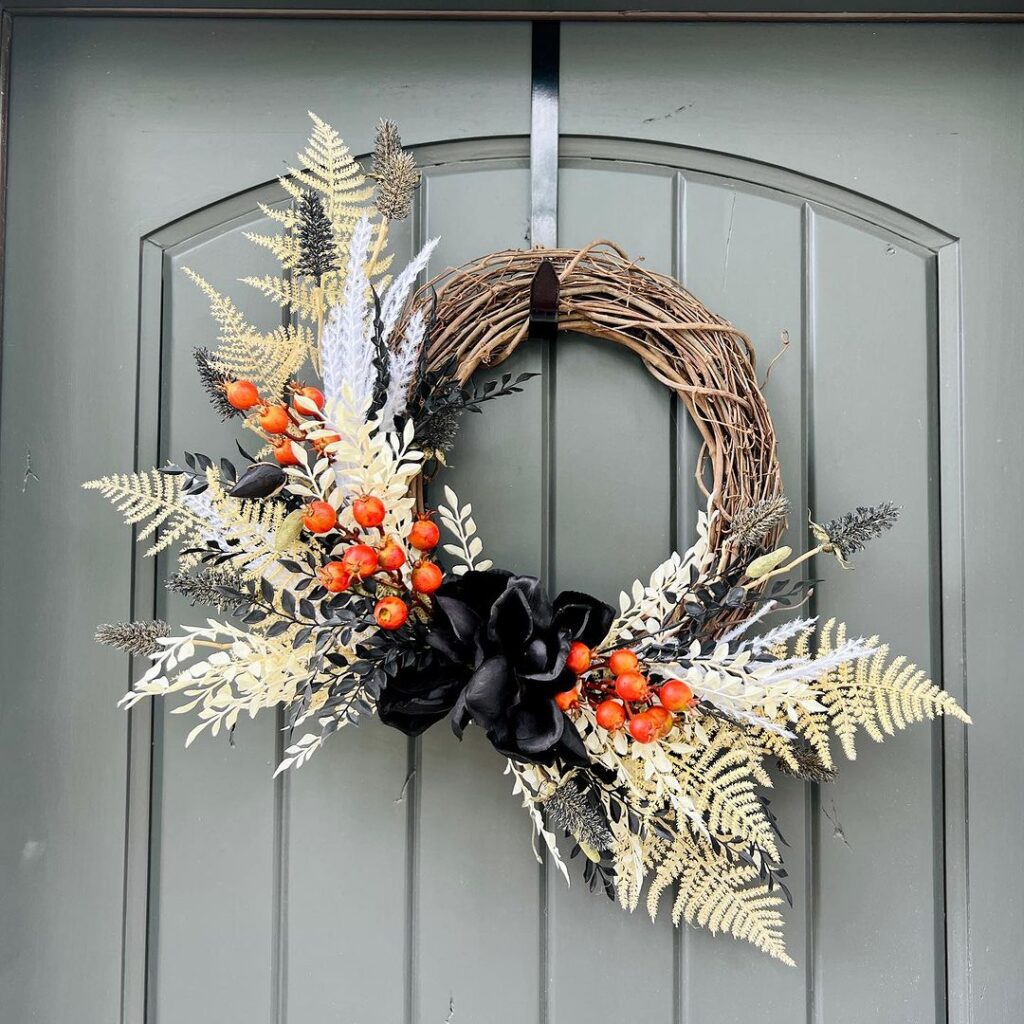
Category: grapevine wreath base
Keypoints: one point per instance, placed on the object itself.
(643, 734)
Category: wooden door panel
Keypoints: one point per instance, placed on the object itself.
(743, 254)
(472, 842)
(213, 821)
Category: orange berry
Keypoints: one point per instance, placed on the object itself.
(424, 535)
(335, 577)
(663, 720)
(643, 727)
(578, 659)
(631, 686)
(274, 419)
(320, 443)
(314, 395)
(368, 511)
(360, 560)
(391, 555)
(623, 660)
(284, 454)
(426, 577)
(610, 715)
(320, 517)
(391, 612)
(241, 394)
(567, 699)
(675, 695)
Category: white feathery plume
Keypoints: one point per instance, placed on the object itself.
(394, 298)
(403, 365)
(743, 627)
(795, 669)
(345, 346)
(780, 634)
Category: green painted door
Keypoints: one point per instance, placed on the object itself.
(854, 189)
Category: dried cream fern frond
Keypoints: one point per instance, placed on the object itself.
(872, 693)
(268, 359)
(721, 779)
(154, 496)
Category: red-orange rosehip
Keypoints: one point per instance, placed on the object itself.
(360, 560)
(274, 419)
(241, 394)
(567, 699)
(368, 511)
(284, 453)
(391, 612)
(662, 719)
(631, 686)
(621, 661)
(426, 577)
(643, 727)
(391, 555)
(424, 535)
(578, 659)
(335, 577)
(320, 517)
(610, 715)
(311, 394)
(675, 695)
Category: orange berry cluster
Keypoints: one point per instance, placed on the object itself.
(633, 703)
(362, 560)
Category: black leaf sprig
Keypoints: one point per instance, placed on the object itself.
(214, 381)
(318, 253)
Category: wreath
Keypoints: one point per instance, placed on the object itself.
(642, 734)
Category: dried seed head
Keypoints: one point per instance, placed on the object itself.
(809, 765)
(133, 637)
(753, 523)
(849, 533)
(208, 586)
(387, 145)
(575, 810)
(396, 184)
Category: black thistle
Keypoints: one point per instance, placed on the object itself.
(214, 381)
(851, 531)
(318, 254)
(220, 588)
(809, 765)
(133, 637)
(753, 523)
(573, 808)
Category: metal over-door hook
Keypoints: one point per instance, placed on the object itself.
(544, 302)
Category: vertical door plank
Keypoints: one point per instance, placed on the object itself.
(477, 892)
(879, 914)
(345, 862)
(213, 820)
(614, 477)
(743, 261)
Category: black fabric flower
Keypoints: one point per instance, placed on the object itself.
(501, 645)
